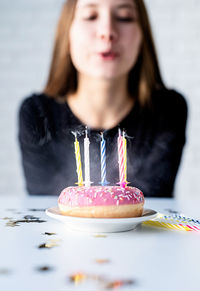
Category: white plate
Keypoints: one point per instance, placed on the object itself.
(101, 224)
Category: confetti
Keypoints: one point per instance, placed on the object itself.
(36, 209)
(44, 269)
(49, 233)
(27, 219)
(49, 244)
(30, 217)
(118, 283)
(81, 277)
(100, 235)
(42, 246)
(78, 277)
(12, 223)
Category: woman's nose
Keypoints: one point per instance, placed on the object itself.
(107, 30)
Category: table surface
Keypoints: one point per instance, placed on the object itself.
(147, 258)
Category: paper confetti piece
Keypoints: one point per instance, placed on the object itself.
(100, 235)
(50, 244)
(13, 223)
(44, 268)
(49, 233)
(6, 218)
(81, 277)
(119, 283)
(78, 277)
(37, 209)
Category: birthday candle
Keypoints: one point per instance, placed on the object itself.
(78, 162)
(87, 160)
(167, 225)
(121, 160)
(125, 156)
(103, 161)
(174, 222)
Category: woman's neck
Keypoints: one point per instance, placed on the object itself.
(100, 103)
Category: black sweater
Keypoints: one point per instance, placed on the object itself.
(156, 136)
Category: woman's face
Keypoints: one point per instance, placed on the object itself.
(105, 38)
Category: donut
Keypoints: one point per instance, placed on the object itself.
(101, 201)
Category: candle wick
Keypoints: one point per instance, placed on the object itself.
(74, 133)
(86, 132)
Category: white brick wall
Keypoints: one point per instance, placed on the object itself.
(26, 35)
(176, 30)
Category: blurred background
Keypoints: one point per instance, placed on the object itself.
(27, 30)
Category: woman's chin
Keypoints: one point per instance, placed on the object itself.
(106, 75)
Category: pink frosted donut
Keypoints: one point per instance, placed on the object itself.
(101, 201)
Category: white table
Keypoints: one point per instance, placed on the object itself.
(154, 258)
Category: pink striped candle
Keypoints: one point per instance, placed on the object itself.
(125, 156)
(122, 181)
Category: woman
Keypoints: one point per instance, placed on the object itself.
(105, 75)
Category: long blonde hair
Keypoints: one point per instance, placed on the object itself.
(143, 78)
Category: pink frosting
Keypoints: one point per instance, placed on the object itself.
(100, 196)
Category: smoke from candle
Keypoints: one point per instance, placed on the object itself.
(112, 170)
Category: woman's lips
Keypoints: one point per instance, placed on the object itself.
(109, 55)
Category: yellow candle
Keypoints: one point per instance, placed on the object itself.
(78, 162)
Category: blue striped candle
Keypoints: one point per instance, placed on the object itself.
(103, 161)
